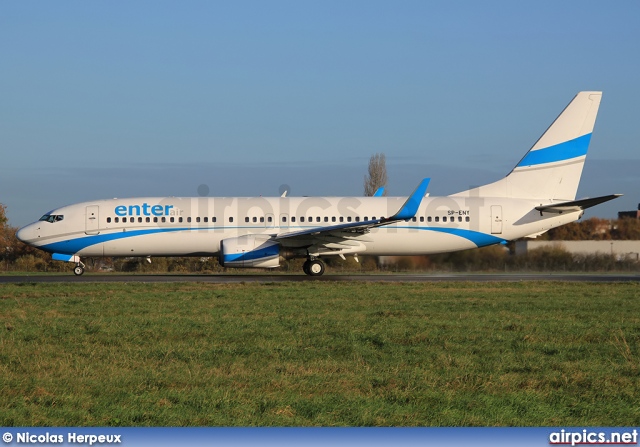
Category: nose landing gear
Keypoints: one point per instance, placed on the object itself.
(78, 269)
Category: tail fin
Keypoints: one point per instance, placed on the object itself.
(552, 168)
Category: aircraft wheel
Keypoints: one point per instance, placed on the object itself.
(305, 267)
(316, 268)
(78, 270)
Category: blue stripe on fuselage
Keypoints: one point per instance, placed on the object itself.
(478, 238)
(73, 246)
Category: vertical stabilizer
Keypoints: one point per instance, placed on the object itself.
(551, 169)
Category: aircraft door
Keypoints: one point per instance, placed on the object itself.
(496, 219)
(92, 219)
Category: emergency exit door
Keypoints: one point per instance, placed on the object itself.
(92, 220)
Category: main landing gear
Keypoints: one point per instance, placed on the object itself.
(78, 269)
(313, 267)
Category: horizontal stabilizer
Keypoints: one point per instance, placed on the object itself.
(575, 205)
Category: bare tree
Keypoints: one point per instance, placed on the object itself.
(377, 175)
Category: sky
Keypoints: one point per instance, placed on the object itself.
(155, 98)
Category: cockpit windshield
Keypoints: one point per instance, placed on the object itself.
(51, 218)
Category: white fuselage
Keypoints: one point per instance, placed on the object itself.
(170, 226)
(536, 195)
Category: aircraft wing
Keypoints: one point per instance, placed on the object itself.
(332, 234)
(575, 205)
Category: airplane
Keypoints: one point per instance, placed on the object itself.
(538, 194)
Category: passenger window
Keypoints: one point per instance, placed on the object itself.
(171, 219)
(284, 218)
(117, 219)
(139, 219)
(459, 218)
(318, 219)
(348, 218)
(180, 219)
(255, 219)
(421, 218)
(366, 218)
(155, 219)
(429, 219)
(148, 219)
(269, 219)
(188, 219)
(231, 219)
(333, 219)
(466, 218)
(357, 218)
(213, 219)
(164, 219)
(444, 219)
(373, 217)
(326, 218)
(413, 219)
(293, 218)
(310, 219)
(262, 219)
(246, 219)
(341, 218)
(301, 218)
(437, 219)
(198, 219)
(108, 220)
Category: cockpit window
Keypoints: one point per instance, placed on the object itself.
(51, 218)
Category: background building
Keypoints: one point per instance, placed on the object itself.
(629, 250)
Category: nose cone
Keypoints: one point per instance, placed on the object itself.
(26, 234)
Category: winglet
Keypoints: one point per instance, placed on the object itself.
(410, 207)
(379, 192)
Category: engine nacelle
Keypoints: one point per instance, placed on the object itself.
(251, 250)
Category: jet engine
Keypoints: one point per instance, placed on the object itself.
(251, 250)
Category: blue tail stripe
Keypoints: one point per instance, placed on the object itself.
(559, 152)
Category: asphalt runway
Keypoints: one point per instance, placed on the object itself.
(262, 278)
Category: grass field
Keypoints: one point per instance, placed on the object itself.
(291, 354)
